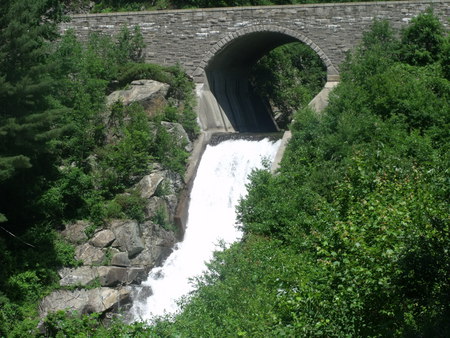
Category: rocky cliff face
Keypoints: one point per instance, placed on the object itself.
(122, 252)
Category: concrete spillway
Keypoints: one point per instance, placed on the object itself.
(228, 104)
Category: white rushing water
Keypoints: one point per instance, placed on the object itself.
(219, 184)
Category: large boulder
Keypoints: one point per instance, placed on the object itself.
(160, 188)
(128, 237)
(103, 275)
(154, 206)
(85, 301)
(114, 275)
(83, 275)
(136, 275)
(148, 184)
(120, 259)
(160, 182)
(159, 243)
(103, 238)
(149, 93)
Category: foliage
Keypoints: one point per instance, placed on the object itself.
(181, 92)
(129, 5)
(232, 3)
(422, 40)
(62, 324)
(122, 162)
(162, 218)
(63, 154)
(24, 87)
(128, 205)
(106, 153)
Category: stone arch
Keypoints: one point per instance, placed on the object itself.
(332, 72)
(227, 101)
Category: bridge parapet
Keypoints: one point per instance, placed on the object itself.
(193, 37)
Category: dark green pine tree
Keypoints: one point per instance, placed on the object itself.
(27, 119)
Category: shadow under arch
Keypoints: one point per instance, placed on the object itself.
(228, 102)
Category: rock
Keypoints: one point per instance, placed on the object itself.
(107, 275)
(160, 182)
(137, 275)
(75, 232)
(128, 237)
(120, 259)
(112, 275)
(76, 300)
(154, 205)
(141, 293)
(84, 301)
(158, 245)
(149, 183)
(78, 276)
(103, 238)
(149, 93)
(145, 259)
(89, 254)
(180, 135)
(104, 299)
(172, 202)
(175, 181)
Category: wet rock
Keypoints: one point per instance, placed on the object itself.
(172, 202)
(137, 275)
(141, 293)
(114, 275)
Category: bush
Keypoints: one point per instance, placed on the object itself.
(422, 40)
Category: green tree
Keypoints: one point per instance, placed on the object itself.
(422, 41)
(28, 120)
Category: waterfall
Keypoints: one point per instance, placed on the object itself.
(219, 184)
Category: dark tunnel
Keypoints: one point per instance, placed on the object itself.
(227, 75)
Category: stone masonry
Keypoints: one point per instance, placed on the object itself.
(193, 37)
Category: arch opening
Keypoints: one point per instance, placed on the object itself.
(233, 104)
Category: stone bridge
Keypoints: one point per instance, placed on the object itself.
(218, 46)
